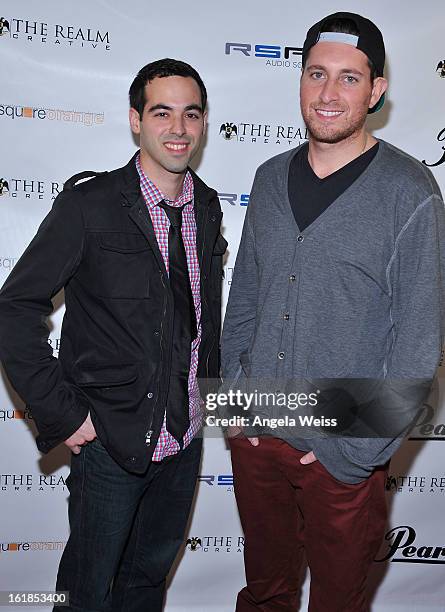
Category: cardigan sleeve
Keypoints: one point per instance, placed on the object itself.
(415, 276)
(239, 321)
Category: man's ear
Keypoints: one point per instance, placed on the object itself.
(135, 122)
(204, 129)
(379, 86)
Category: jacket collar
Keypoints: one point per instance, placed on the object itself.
(131, 189)
(204, 198)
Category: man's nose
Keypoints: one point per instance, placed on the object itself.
(329, 91)
(178, 126)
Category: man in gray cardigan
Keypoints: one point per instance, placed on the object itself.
(338, 276)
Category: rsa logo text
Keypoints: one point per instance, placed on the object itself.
(232, 198)
(268, 51)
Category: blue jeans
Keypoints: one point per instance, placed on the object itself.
(126, 529)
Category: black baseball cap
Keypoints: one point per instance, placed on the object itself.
(369, 41)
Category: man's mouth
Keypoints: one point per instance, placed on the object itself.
(176, 146)
(328, 113)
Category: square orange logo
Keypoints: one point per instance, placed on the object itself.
(13, 546)
(27, 112)
(19, 414)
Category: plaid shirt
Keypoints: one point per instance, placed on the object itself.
(167, 445)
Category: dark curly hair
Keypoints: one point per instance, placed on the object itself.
(162, 68)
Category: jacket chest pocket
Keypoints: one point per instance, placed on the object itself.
(121, 263)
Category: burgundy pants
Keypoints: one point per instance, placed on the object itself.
(289, 510)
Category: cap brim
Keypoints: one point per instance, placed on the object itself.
(377, 106)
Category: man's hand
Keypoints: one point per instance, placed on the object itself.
(308, 458)
(233, 432)
(86, 433)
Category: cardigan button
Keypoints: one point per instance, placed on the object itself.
(300, 238)
(281, 355)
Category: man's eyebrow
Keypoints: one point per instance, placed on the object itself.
(159, 107)
(193, 107)
(342, 71)
(352, 71)
(315, 67)
(162, 106)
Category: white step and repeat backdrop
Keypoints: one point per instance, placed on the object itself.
(66, 69)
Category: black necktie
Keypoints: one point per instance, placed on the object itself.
(184, 326)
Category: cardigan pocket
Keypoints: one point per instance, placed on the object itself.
(324, 362)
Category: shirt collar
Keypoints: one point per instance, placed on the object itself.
(153, 195)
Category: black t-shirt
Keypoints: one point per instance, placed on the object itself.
(309, 195)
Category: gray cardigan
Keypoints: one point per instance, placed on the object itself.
(357, 294)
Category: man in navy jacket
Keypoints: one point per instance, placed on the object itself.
(135, 288)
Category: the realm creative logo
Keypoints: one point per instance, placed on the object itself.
(440, 138)
(55, 345)
(263, 133)
(274, 56)
(32, 189)
(4, 26)
(441, 69)
(415, 484)
(229, 275)
(216, 544)
(401, 550)
(27, 546)
(67, 35)
(228, 131)
(4, 187)
(194, 543)
(31, 483)
(51, 114)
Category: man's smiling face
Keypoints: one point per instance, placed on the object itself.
(172, 124)
(336, 91)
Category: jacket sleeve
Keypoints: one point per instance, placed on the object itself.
(46, 266)
(415, 276)
(239, 320)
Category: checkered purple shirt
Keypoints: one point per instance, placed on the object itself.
(167, 445)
